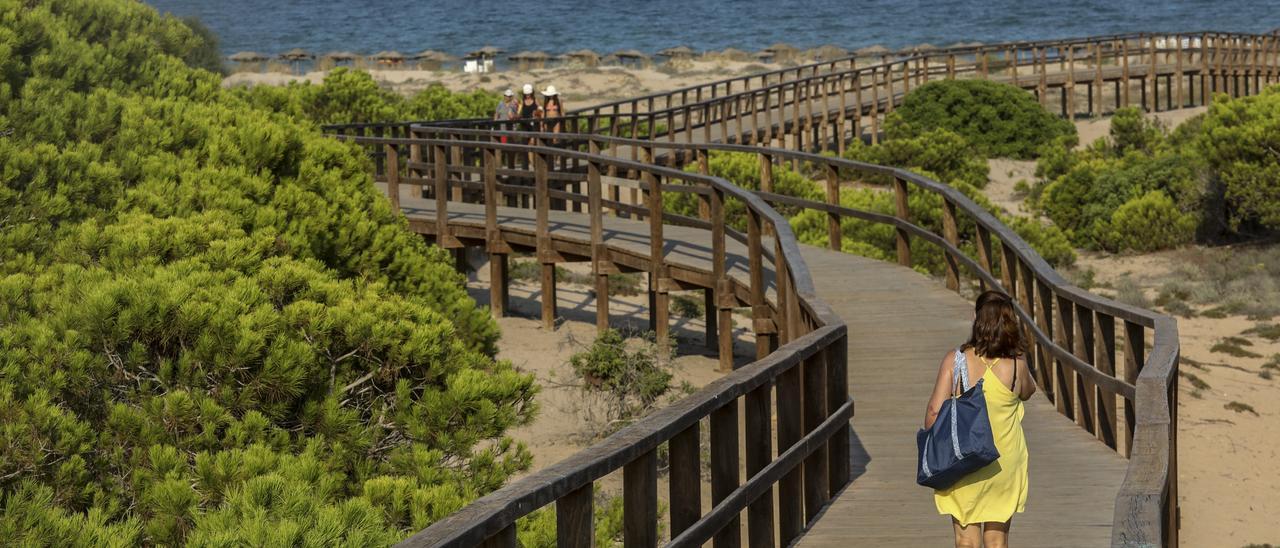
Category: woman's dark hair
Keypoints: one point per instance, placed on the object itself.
(995, 327)
(556, 98)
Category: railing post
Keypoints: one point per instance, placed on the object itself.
(658, 280)
(1086, 399)
(790, 488)
(685, 481)
(506, 538)
(574, 527)
(816, 485)
(762, 321)
(1098, 82)
(759, 449)
(640, 500)
(951, 232)
(494, 243)
(1063, 336)
(393, 177)
(984, 254)
(724, 468)
(833, 198)
(725, 298)
(904, 214)
(875, 108)
(1134, 358)
(546, 254)
(837, 395)
(599, 252)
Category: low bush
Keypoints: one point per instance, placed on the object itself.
(1148, 223)
(997, 119)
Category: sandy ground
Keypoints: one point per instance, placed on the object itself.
(580, 86)
(1226, 488)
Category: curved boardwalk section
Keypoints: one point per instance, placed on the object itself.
(895, 346)
(830, 329)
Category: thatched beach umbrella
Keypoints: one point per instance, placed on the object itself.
(393, 58)
(431, 59)
(678, 52)
(248, 57)
(630, 55)
(730, 54)
(527, 59)
(485, 52)
(764, 56)
(340, 56)
(782, 52)
(297, 54)
(584, 56)
(828, 52)
(245, 58)
(872, 50)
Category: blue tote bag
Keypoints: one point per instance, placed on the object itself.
(959, 442)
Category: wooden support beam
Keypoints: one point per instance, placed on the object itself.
(574, 527)
(640, 501)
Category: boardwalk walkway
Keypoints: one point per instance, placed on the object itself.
(895, 344)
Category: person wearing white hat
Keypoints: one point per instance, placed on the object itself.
(552, 108)
(529, 108)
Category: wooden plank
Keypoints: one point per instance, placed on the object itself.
(640, 501)
(574, 527)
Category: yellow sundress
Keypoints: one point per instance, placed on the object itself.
(998, 490)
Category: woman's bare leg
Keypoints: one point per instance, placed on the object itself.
(996, 534)
(967, 536)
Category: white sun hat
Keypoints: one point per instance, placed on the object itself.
(527, 89)
(550, 91)
(508, 93)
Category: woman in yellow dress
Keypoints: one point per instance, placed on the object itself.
(982, 504)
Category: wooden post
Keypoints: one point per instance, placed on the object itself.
(1152, 81)
(1124, 72)
(685, 480)
(875, 108)
(724, 468)
(762, 320)
(951, 232)
(725, 298)
(1086, 399)
(506, 538)
(833, 198)
(1070, 87)
(790, 489)
(1134, 359)
(640, 500)
(984, 253)
(759, 449)
(393, 177)
(1205, 77)
(816, 486)
(493, 237)
(1177, 73)
(658, 290)
(1064, 337)
(574, 527)
(546, 258)
(1097, 79)
(904, 243)
(837, 395)
(599, 252)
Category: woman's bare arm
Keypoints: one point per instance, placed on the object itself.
(1026, 384)
(941, 389)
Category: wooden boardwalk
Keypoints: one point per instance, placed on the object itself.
(900, 324)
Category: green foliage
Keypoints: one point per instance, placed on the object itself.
(206, 54)
(1239, 140)
(213, 329)
(1148, 223)
(631, 378)
(743, 169)
(352, 96)
(997, 119)
(941, 152)
(1131, 130)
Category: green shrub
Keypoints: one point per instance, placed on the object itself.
(1131, 130)
(941, 152)
(213, 328)
(743, 169)
(1149, 223)
(631, 378)
(998, 119)
(1239, 139)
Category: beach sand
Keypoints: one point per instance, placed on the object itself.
(579, 85)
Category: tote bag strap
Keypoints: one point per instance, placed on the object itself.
(960, 373)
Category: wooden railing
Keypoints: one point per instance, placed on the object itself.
(1109, 367)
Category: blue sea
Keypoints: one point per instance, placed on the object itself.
(557, 26)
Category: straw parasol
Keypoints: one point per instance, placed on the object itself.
(248, 57)
(297, 54)
(584, 56)
(731, 54)
(872, 50)
(487, 51)
(340, 56)
(828, 51)
(678, 51)
(764, 56)
(431, 59)
(537, 59)
(922, 47)
(782, 52)
(389, 57)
